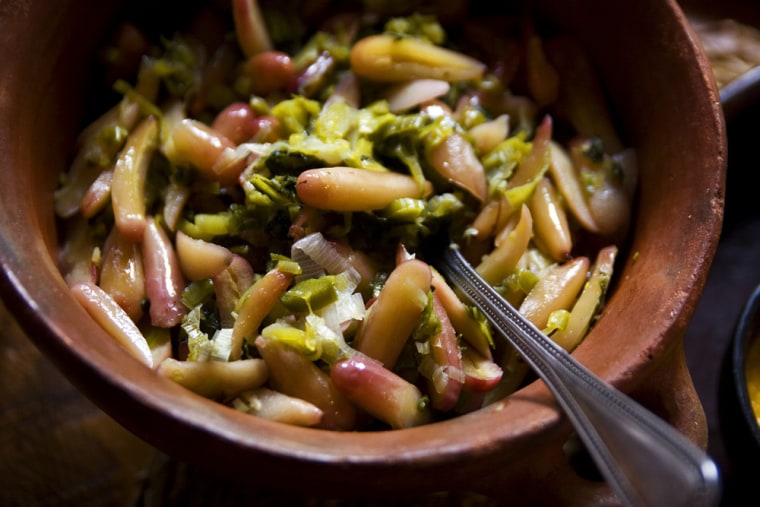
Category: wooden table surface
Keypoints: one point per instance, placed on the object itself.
(58, 449)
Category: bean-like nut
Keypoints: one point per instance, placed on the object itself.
(550, 225)
(489, 134)
(163, 278)
(542, 78)
(93, 156)
(230, 285)
(75, 255)
(405, 96)
(236, 122)
(270, 71)
(194, 143)
(580, 92)
(447, 378)
(537, 306)
(97, 195)
(128, 184)
(492, 218)
(254, 305)
(395, 313)
(201, 259)
(114, 320)
(380, 392)
(460, 317)
(557, 290)
(455, 160)
(588, 302)
(276, 406)
(295, 375)
(481, 373)
(250, 28)
(563, 174)
(175, 199)
(122, 275)
(537, 160)
(500, 262)
(389, 58)
(218, 380)
(351, 189)
(607, 198)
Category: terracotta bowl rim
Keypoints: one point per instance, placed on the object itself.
(238, 434)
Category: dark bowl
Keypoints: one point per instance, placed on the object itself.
(739, 426)
(667, 106)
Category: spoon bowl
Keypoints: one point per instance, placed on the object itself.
(645, 460)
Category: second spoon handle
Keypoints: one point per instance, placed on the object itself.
(645, 460)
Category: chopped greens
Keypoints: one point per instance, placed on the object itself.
(306, 168)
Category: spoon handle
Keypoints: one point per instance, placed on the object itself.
(645, 460)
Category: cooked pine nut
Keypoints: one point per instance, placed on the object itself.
(537, 160)
(251, 31)
(194, 143)
(218, 380)
(460, 318)
(550, 225)
(350, 189)
(405, 96)
(114, 320)
(128, 184)
(455, 160)
(97, 195)
(293, 374)
(495, 266)
(163, 278)
(229, 286)
(393, 316)
(447, 375)
(236, 122)
(588, 302)
(489, 134)
(389, 58)
(565, 177)
(270, 71)
(276, 406)
(557, 290)
(608, 199)
(380, 392)
(254, 305)
(201, 259)
(122, 275)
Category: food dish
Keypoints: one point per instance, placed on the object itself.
(238, 227)
(639, 350)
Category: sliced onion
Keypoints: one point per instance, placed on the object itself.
(316, 256)
(407, 95)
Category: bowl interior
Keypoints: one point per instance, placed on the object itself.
(665, 103)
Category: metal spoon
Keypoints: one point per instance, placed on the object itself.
(645, 460)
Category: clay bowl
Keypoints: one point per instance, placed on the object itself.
(667, 107)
